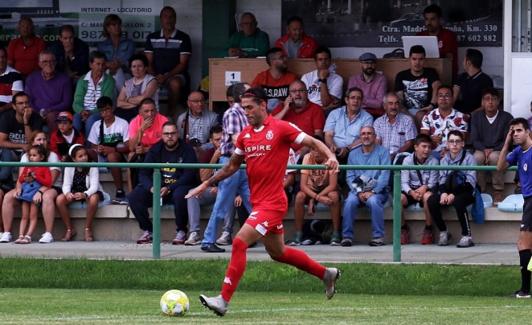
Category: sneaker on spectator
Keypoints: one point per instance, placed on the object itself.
(335, 240)
(444, 238)
(520, 294)
(296, 241)
(193, 239)
(6, 237)
(146, 238)
(427, 238)
(405, 236)
(465, 241)
(120, 197)
(346, 242)
(308, 242)
(224, 239)
(46, 238)
(179, 238)
(377, 242)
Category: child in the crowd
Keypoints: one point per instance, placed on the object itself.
(64, 136)
(31, 181)
(79, 184)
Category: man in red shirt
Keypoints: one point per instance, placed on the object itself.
(23, 52)
(276, 79)
(295, 43)
(446, 38)
(262, 143)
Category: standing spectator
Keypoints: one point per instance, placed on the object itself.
(250, 41)
(195, 124)
(109, 138)
(79, 184)
(71, 53)
(10, 82)
(297, 109)
(366, 187)
(395, 130)
(372, 83)
(417, 85)
(168, 53)
(117, 49)
(317, 186)
(50, 91)
(276, 80)
(470, 84)
(456, 188)
(489, 127)
(23, 52)
(141, 85)
(94, 85)
(442, 120)
(417, 186)
(342, 127)
(175, 183)
(62, 138)
(295, 43)
(446, 38)
(324, 85)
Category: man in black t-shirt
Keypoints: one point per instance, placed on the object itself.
(417, 86)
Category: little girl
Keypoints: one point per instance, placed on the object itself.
(31, 181)
(79, 184)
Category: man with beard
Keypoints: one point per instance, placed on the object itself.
(372, 83)
(276, 79)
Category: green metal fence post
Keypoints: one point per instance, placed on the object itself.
(156, 245)
(397, 216)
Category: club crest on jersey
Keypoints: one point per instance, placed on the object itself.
(269, 135)
(247, 136)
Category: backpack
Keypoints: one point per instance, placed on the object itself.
(457, 179)
(395, 54)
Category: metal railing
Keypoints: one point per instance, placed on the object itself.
(156, 203)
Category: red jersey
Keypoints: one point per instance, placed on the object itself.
(310, 119)
(266, 152)
(447, 43)
(274, 88)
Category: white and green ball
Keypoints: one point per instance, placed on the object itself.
(174, 303)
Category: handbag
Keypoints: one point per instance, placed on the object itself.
(477, 210)
(29, 190)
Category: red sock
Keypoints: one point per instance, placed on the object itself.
(236, 268)
(302, 261)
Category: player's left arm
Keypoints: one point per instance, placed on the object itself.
(332, 162)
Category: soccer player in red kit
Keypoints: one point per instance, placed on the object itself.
(264, 145)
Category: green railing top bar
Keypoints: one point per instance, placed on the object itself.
(218, 166)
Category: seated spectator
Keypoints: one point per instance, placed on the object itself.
(324, 85)
(10, 82)
(456, 188)
(342, 127)
(195, 124)
(209, 196)
(298, 110)
(17, 124)
(395, 130)
(109, 138)
(489, 127)
(469, 86)
(117, 49)
(176, 182)
(316, 186)
(168, 52)
(276, 79)
(50, 91)
(79, 184)
(62, 138)
(46, 198)
(23, 52)
(6, 180)
(141, 85)
(295, 43)
(417, 86)
(249, 41)
(366, 187)
(372, 83)
(442, 120)
(144, 131)
(71, 53)
(94, 85)
(417, 186)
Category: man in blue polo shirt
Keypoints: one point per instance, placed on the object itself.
(168, 52)
(522, 157)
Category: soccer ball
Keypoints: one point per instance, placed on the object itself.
(174, 303)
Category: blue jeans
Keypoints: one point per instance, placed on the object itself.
(78, 124)
(227, 191)
(376, 207)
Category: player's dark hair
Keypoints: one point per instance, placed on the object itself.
(257, 94)
(433, 9)
(418, 49)
(522, 121)
(475, 57)
(322, 49)
(422, 138)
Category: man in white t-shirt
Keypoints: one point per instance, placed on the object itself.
(324, 85)
(109, 138)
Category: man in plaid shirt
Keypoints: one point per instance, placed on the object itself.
(234, 120)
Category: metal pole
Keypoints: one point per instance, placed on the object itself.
(397, 216)
(156, 210)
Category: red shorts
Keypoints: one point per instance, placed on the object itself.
(266, 221)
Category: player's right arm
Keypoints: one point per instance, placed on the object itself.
(332, 162)
(502, 163)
